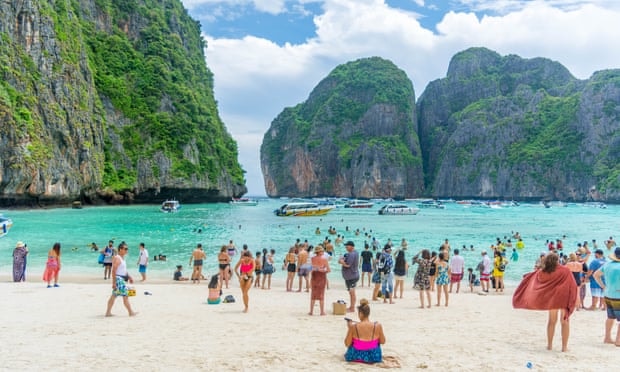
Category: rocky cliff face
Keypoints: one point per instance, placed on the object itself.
(355, 136)
(494, 127)
(79, 121)
(507, 127)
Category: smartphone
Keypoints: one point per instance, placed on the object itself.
(348, 319)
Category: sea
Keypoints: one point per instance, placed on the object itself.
(175, 235)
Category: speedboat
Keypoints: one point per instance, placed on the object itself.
(430, 203)
(244, 201)
(592, 204)
(170, 206)
(303, 209)
(398, 209)
(5, 225)
(358, 204)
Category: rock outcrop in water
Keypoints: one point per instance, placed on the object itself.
(355, 136)
(494, 127)
(109, 100)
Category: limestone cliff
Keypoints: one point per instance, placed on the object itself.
(514, 128)
(106, 100)
(355, 136)
(495, 127)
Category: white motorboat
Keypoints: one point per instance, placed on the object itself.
(398, 209)
(170, 206)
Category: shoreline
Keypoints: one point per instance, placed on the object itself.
(175, 329)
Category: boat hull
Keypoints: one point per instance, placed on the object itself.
(303, 210)
(170, 206)
(398, 210)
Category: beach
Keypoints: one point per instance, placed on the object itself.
(65, 329)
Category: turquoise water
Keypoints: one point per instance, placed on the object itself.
(175, 235)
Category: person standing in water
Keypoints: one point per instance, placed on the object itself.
(143, 261)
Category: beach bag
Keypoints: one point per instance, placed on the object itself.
(101, 257)
(480, 266)
(502, 266)
(229, 299)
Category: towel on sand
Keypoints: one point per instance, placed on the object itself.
(539, 290)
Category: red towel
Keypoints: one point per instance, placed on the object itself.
(547, 291)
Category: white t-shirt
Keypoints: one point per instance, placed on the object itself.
(457, 264)
(144, 257)
(486, 261)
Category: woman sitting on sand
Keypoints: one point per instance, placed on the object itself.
(215, 290)
(364, 338)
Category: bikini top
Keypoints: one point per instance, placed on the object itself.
(246, 268)
(365, 344)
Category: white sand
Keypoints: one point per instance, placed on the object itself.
(64, 329)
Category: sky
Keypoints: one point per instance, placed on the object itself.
(267, 55)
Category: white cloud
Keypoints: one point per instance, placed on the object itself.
(255, 79)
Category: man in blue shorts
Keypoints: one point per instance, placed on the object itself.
(350, 272)
(143, 261)
(611, 290)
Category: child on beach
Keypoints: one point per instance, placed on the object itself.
(178, 275)
(471, 277)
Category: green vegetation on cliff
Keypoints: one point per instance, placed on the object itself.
(158, 79)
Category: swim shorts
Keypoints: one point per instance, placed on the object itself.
(142, 269)
(366, 268)
(456, 277)
(304, 270)
(121, 288)
(350, 283)
(484, 277)
(613, 308)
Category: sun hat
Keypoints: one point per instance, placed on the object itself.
(19, 244)
(350, 242)
(616, 255)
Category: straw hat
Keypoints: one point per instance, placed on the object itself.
(19, 245)
(616, 255)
